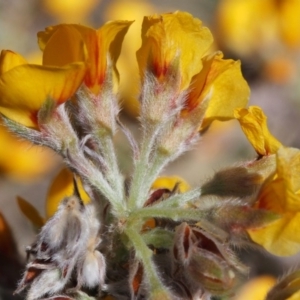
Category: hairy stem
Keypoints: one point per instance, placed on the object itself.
(141, 170)
(113, 174)
(144, 254)
(95, 178)
(175, 214)
(178, 200)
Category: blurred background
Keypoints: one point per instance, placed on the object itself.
(263, 34)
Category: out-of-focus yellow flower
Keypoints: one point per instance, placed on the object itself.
(18, 79)
(254, 26)
(289, 22)
(256, 288)
(169, 182)
(173, 38)
(101, 44)
(21, 160)
(127, 63)
(254, 124)
(265, 32)
(280, 69)
(69, 11)
(177, 40)
(61, 187)
(296, 296)
(281, 194)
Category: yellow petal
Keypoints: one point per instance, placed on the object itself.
(256, 288)
(24, 89)
(282, 237)
(170, 37)
(62, 187)
(295, 296)
(286, 183)
(254, 124)
(101, 45)
(9, 60)
(107, 40)
(31, 213)
(61, 44)
(170, 182)
(281, 193)
(222, 82)
(271, 195)
(288, 166)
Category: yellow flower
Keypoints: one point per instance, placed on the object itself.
(256, 288)
(254, 124)
(289, 22)
(25, 87)
(61, 44)
(170, 37)
(70, 10)
(179, 40)
(61, 187)
(255, 26)
(280, 68)
(281, 194)
(21, 160)
(170, 182)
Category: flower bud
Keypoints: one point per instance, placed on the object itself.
(210, 271)
(206, 262)
(233, 182)
(235, 218)
(93, 270)
(64, 228)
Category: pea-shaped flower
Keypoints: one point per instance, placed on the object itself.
(25, 87)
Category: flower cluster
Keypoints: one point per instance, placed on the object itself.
(144, 237)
